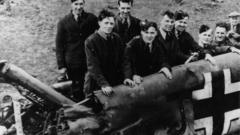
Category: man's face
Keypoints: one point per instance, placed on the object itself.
(206, 37)
(220, 34)
(181, 25)
(234, 20)
(124, 9)
(77, 7)
(106, 25)
(149, 35)
(167, 23)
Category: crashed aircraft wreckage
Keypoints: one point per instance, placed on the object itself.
(153, 106)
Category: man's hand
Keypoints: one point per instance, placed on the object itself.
(166, 72)
(107, 90)
(129, 82)
(63, 75)
(232, 34)
(193, 57)
(209, 58)
(235, 50)
(137, 79)
(62, 71)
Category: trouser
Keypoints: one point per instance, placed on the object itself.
(76, 75)
(188, 113)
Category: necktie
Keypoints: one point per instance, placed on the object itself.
(79, 19)
(148, 47)
(110, 49)
(168, 36)
(206, 46)
(108, 37)
(124, 24)
(109, 41)
(178, 35)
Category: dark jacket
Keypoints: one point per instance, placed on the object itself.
(237, 27)
(187, 44)
(171, 49)
(70, 39)
(234, 37)
(132, 31)
(140, 61)
(104, 62)
(217, 48)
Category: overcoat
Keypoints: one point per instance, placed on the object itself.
(171, 49)
(132, 30)
(70, 39)
(104, 61)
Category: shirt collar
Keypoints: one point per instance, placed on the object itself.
(178, 33)
(150, 46)
(200, 44)
(163, 33)
(204, 45)
(102, 34)
(75, 16)
(121, 19)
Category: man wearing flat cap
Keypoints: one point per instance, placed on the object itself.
(72, 30)
(234, 26)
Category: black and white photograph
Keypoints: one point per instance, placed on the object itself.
(119, 67)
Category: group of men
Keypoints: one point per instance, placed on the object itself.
(72, 32)
(91, 50)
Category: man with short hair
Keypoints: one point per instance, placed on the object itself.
(72, 30)
(221, 44)
(170, 46)
(104, 52)
(188, 46)
(126, 25)
(220, 35)
(186, 42)
(168, 41)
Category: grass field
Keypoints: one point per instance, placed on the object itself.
(28, 30)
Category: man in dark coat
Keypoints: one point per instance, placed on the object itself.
(170, 46)
(126, 25)
(104, 52)
(186, 42)
(168, 41)
(143, 56)
(72, 31)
